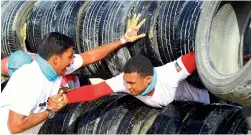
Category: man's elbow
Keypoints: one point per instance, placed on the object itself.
(15, 128)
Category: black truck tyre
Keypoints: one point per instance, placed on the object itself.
(208, 119)
(133, 122)
(147, 46)
(149, 120)
(88, 121)
(235, 124)
(112, 27)
(112, 116)
(54, 125)
(90, 19)
(170, 118)
(13, 26)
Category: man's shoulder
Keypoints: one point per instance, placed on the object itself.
(28, 72)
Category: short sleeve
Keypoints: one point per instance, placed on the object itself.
(172, 73)
(77, 63)
(25, 94)
(117, 84)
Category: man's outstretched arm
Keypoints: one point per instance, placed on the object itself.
(88, 92)
(96, 54)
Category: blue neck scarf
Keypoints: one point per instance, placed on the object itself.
(46, 68)
(152, 84)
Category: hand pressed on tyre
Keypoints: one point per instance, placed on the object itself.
(132, 29)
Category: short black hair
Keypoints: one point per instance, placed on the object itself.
(139, 64)
(54, 43)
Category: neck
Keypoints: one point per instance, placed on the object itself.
(47, 68)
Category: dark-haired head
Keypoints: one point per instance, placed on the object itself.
(138, 72)
(57, 49)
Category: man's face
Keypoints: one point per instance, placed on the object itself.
(63, 61)
(135, 83)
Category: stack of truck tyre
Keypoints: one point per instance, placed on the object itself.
(218, 31)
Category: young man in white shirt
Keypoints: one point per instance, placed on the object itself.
(155, 86)
(23, 103)
(19, 58)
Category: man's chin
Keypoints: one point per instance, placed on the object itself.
(61, 74)
(135, 94)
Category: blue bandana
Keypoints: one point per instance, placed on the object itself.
(18, 59)
(46, 68)
(152, 85)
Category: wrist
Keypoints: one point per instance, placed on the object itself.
(123, 40)
(50, 113)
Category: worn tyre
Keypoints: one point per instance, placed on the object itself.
(133, 122)
(149, 120)
(113, 115)
(13, 25)
(112, 27)
(235, 124)
(207, 119)
(54, 125)
(89, 120)
(3, 84)
(169, 120)
(147, 46)
(90, 19)
(53, 16)
(223, 28)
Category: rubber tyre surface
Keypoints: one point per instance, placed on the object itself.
(13, 17)
(90, 19)
(234, 87)
(150, 118)
(207, 119)
(169, 120)
(112, 116)
(90, 118)
(235, 124)
(112, 27)
(53, 16)
(133, 122)
(3, 84)
(147, 46)
(54, 125)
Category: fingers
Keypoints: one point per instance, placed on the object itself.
(57, 104)
(128, 24)
(140, 24)
(61, 92)
(133, 20)
(65, 99)
(140, 36)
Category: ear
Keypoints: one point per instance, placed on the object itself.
(149, 79)
(54, 59)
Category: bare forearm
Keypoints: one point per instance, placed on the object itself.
(27, 122)
(98, 53)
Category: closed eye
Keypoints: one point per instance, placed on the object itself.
(131, 83)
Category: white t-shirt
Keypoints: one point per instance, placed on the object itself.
(28, 91)
(170, 86)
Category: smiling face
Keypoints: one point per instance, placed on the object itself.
(61, 62)
(135, 83)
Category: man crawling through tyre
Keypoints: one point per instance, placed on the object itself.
(155, 86)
